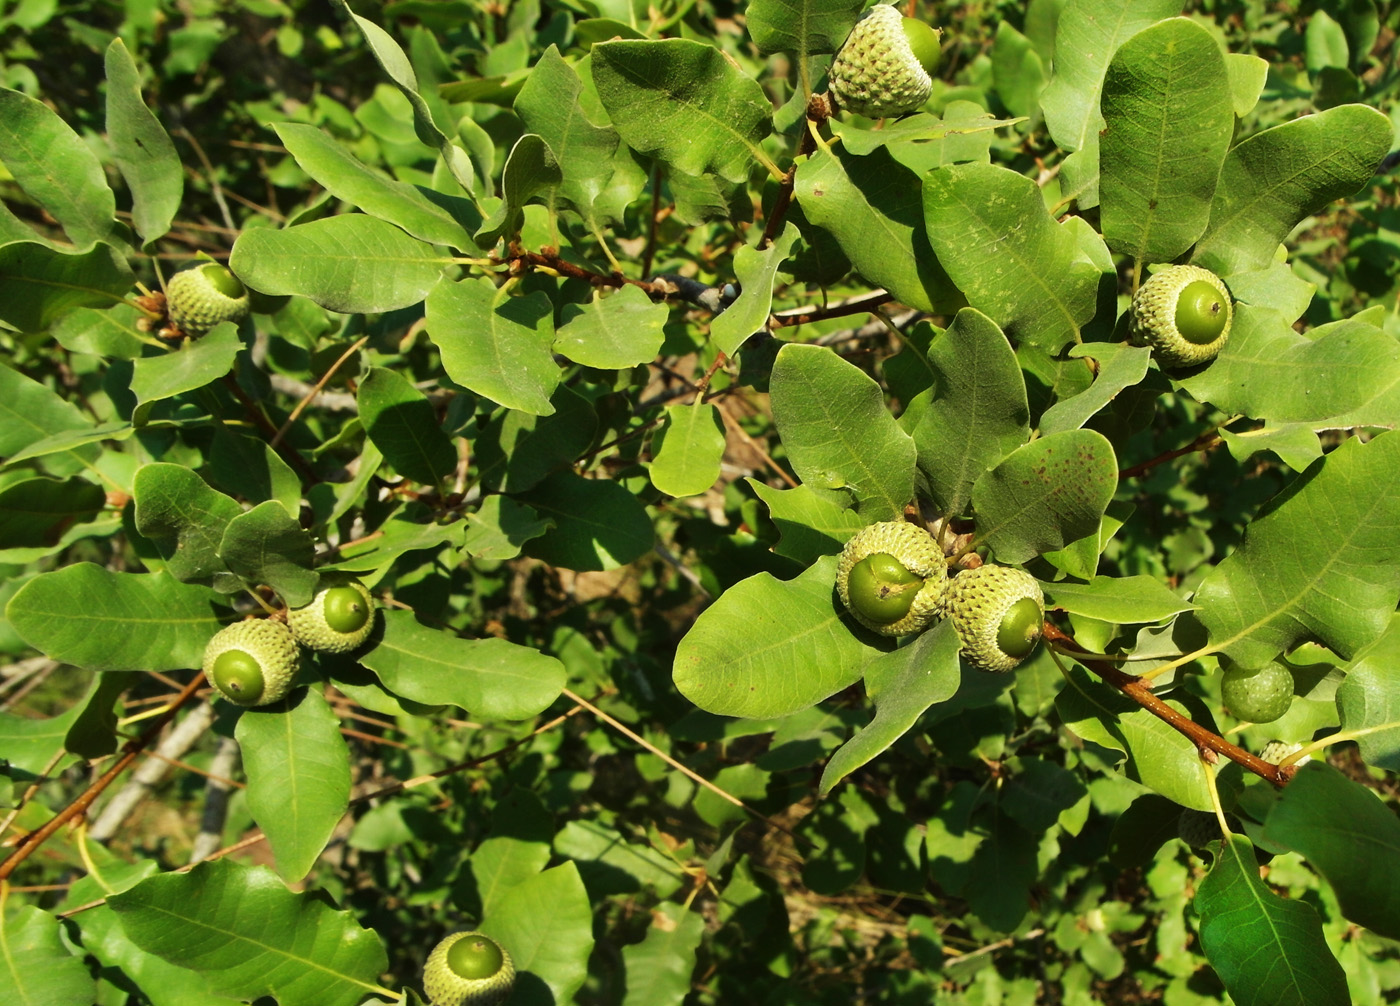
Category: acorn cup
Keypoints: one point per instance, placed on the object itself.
(891, 578)
(883, 68)
(339, 618)
(468, 969)
(252, 663)
(200, 298)
(999, 615)
(1184, 314)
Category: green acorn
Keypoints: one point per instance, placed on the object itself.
(468, 969)
(252, 663)
(1198, 828)
(1257, 694)
(884, 65)
(339, 618)
(999, 613)
(1276, 751)
(891, 577)
(200, 298)
(1183, 313)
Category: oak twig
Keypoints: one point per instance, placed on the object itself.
(1141, 692)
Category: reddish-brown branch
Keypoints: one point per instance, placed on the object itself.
(1140, 692)
(28, 843)
(816, 114)
(1207, 440)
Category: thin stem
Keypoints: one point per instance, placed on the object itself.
(28, 843)
(1209, 770)
(316, 390)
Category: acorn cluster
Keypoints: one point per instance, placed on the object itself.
(255, 662)
(893, 579)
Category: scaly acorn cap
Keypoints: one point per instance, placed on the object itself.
(1197, 828)
(1276, 751)
(883, 66)
(198, 299)
(904, 560)
(252, 663)
(1184, 313)
(468, 969)
(999, 614)
(339, 618)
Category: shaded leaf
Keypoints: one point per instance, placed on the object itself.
(185, 519)
(598, 524)
(659, 968)
(268, 545)
(250, 936)
(872, 206)
(530, 168)
(39, 284)
(684, 102)
(811, 524)
(402, 424)
(801, 27)
(902, 683)
(1349, 836)
(1271, 593)
(1268, 951)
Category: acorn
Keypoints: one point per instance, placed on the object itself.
(339, 618)
(999, 614)
(198, 299)
(891, 578)
(1183, 312)
(884, 66)
(1198, 828)
(1276, 751)
(468, 969)
(252, 663)
(1257, 694)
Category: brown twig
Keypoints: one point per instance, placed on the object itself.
(785, 187)
(856, 305)
(1141, 692)
(1207, 440)
(130, 750)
